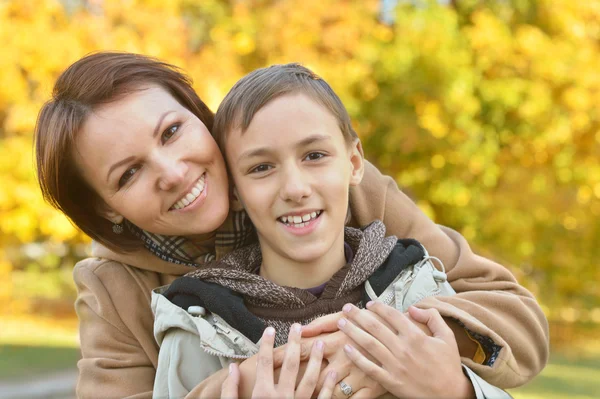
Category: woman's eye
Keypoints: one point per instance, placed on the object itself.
(313, 156)
(260, 168)
(170, 132)
(129, 173)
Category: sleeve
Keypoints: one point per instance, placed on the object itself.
(179, 373)
(484, 390)
(113, 363)
(489, 301)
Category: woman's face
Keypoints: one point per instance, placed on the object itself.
(155, 164)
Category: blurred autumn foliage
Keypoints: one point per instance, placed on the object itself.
(487, 112)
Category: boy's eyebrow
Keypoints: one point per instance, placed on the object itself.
(253, 152)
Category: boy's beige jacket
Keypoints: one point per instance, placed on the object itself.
(120, 354)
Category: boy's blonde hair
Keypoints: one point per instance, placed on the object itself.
(261, 86)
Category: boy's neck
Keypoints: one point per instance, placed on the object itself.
(287, 272)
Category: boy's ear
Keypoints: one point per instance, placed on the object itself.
(109, 214)
(357, 159)
(236, 203)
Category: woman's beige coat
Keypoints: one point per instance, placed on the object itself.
(120, 355)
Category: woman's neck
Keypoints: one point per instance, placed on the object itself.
(206, 240)
(284, 271)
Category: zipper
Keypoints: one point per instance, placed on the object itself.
(226, 332)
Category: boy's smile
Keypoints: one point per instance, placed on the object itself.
(301, 223)
(292, 170)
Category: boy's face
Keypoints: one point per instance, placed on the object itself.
(292, 169)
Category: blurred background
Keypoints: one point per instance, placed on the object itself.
(486, 112)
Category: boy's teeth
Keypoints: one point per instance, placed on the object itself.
(299, 221)
(191, 196)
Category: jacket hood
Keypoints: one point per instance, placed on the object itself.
(141, 259)
(237, 271)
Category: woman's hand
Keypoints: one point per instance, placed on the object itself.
(265, 387)
(408, 363)
(328, 323)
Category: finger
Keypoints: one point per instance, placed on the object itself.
(229, 389)
(321, 325)
(341, 368)
(365, 393)
(398, 320)
(306, 345)
(351, 309)
(264, 363)
(311, 375)
(370, 322)
(370, 369)
(380, 351)
(434, 321)
(291, 363)
(328, 385)
(420, 326)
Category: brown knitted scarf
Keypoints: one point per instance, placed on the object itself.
(280, 306)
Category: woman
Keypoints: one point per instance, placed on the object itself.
(124, 150)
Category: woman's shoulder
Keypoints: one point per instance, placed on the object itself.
(109, 279)
(97, 268)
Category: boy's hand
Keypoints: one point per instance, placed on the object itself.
(265, 387)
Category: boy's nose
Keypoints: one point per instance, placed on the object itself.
(294, 187)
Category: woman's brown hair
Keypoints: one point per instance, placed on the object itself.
(97, 79)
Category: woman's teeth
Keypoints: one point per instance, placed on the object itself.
(299, 221)
(191, 196)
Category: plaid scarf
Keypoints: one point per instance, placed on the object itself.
(236, 232)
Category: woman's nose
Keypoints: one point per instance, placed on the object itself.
(171, 173)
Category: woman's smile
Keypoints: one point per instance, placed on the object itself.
(193, 196)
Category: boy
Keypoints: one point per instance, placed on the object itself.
(292, 155)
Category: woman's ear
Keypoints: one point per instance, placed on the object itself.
(236, 203)
(109, 214)
(357, 160)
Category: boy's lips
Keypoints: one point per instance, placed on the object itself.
(299, 218)
(303, 227)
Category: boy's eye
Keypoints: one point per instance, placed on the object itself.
(129, 173)
(313, 156)
(260, 168)
(170, 132)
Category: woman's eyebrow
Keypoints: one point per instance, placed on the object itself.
(157, 128)
(129, 159)
(116, 165)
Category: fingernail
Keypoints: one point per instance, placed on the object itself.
(342, 322)
(297, 328)
(348, 348)
(320, 345)
(332, 374)
(347, 307)
(369, 304)
(270, 331)
(231, 368)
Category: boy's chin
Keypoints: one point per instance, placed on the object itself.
(306, 255)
